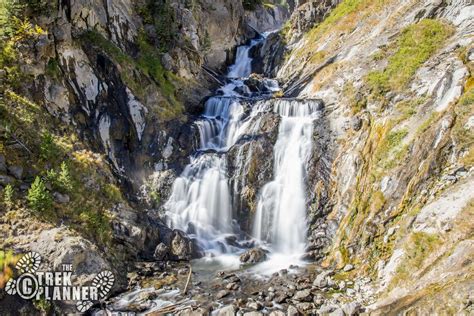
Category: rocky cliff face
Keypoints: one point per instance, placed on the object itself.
(397, 81)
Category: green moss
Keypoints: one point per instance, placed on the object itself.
(415, 45)
(409, 107)
(389, 152)
(53, 70)
(418, 247)
(357, 101)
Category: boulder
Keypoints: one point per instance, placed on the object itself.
(16, 171)
(161, 252)
(229, 310)
(303, 296)
(254, 255)
(59, 246)
(222, 294)
(292, 311)
(321, 280)
(352, 308)
(181, 247)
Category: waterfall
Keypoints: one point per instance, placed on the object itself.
(243, 62)
(201, 200)
(281, 210)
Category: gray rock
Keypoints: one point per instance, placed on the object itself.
(16, 171)
(229, 310)
(281, 297)
(255, 305)
(222, 293)
(304, 307)
(348, 267)
(181, 247)
(326, 309)
(304, 296)
(61, 198)
(321, 280)
(161, 252)
(350, 292)
(337, 312)
(3, 164)
(253, 314)
(5, 180)
(292, 311)
(254, 255)
(356, 123)
(167, 61)
(352, 308)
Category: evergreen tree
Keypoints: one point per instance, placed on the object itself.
(38, 197)
(64, 178)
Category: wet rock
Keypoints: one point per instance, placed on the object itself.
(222, 293)
(61, 198)
(16, 171)
(348, 267)
(292, 311)
(304, 296)
(229, 310)
(161, 252)
(255, 305)
(181, 247)
(352, 308)
(254, 255)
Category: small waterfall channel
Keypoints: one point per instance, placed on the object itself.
(201, 198)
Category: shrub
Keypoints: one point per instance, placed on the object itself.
(39, 198)
(414, 46)
(48, 148)
(8, 196)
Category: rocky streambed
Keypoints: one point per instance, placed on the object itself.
(202, 288)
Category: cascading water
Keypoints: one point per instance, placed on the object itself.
(281, 210)
(201, 198)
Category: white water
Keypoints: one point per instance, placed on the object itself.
(281, 210)
(201, 199)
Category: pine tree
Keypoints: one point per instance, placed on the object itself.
(64, 178)
(38, 197)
